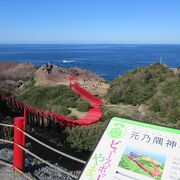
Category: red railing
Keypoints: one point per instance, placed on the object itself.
(94, 114)
(20, 149)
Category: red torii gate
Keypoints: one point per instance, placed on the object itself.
(93, 115)
(73, 80)
(19, 141)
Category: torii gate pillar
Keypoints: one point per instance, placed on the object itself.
(73, 80)
(19, 139)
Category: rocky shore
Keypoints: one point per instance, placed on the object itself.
(11, 72)
(16, 74)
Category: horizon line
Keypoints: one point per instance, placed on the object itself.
(89, 43)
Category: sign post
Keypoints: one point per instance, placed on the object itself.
(135, 150)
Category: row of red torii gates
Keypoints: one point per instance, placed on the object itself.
(93, 115)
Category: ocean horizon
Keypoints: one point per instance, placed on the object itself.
(107, 60)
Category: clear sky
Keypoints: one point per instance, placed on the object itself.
(90, 21)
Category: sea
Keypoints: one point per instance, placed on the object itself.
(107, 60)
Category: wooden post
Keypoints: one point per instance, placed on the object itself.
(19, 138)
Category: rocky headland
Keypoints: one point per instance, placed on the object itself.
(17, 74)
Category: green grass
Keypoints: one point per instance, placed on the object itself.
(57, 98)
(156, 86)
(166, 101)
(138, 86)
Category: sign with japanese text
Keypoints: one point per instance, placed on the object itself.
(132, 150)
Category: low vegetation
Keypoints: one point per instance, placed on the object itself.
(84, 138)
(138, 86)
(8, 90)
(156, 86)
(82, 106)
(57, 99)
(166, 102)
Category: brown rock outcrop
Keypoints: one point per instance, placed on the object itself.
(16, 71)
(53, 75)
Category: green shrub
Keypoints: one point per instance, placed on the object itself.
(167, 101)
(138, 86)
(74, 117)
(85, 138)
(60, 109)
(108, 114)
(83, 106)
(155, 106)
(47, 97)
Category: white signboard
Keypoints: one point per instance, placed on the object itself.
(132, 150)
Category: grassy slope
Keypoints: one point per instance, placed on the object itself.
(156, 86)
(57, 98)
(151, 82)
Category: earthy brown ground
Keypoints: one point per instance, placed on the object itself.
(16, 71)
(53, 75)
(15, 74)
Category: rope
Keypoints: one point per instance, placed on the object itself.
(43, 144)
(6, 141)
(27, 177)
(45, 162)
(6, 125)
(11, 166)
(55, 167)
(40, 159)
(47, 146)
(6, 164)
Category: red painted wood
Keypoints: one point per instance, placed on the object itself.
(94, 114)
(19, 138)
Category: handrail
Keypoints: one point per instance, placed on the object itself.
(6, 125)
(46, 162)
(37, 157)
(11, 166)
(40, 142)
(49, 147)
(95, 102)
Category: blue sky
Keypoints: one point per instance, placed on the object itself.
(90, 21)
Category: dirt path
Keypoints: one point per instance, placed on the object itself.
(123, 109)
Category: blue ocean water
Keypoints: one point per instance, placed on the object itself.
(106, 60)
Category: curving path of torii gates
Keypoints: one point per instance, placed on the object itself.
(93, 115)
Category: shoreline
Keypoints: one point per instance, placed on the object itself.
(108, 61)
